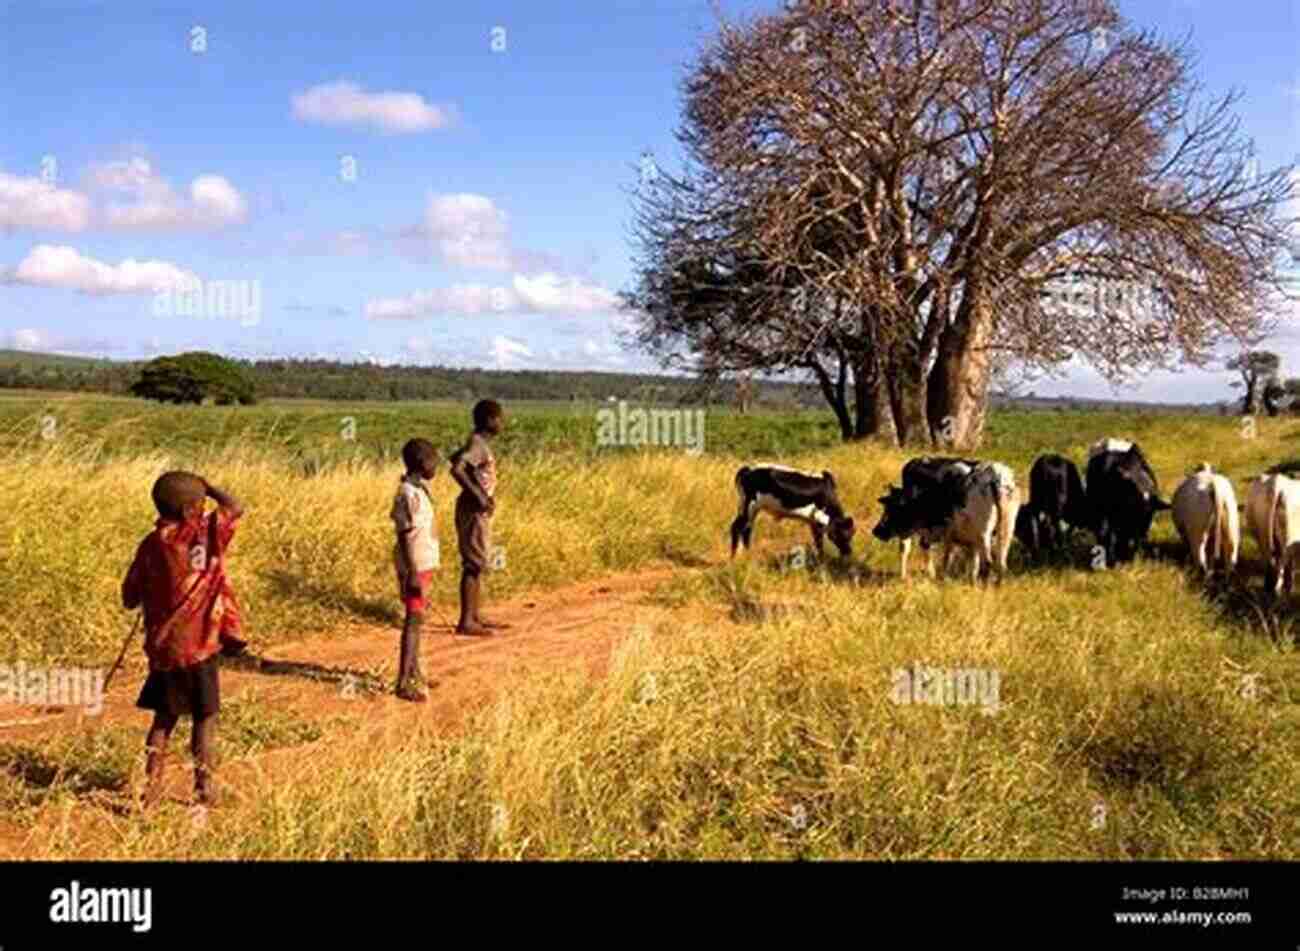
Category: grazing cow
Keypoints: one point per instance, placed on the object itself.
(1123, 497)
(1205, 514)
(941, 475)
(789, 493)
(1273, 517)
(1056, 495)
(975, 510)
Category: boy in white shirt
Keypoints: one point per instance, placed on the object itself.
(415, 557)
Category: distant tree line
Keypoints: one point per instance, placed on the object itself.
(326, 380)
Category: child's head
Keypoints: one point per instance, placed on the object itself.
(421, 458)
(489, 417)
(178, 495)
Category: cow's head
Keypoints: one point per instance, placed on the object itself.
(841, 532)
(899, 517)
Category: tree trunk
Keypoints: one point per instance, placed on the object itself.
(957, 394)
(907, 402)
(871, 402)
(874, 417)
(834, 392)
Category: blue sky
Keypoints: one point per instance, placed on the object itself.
(486, 223)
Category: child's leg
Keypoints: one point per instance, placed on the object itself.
(202, 746)
(471, 587)
(409, 678)
(160, 732)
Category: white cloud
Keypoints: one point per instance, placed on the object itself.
(33, 203)
(213, 203)
(346, 103)
(64, 267)
(129, 175)
(26, 338)
(541, 294)
(549, 294)
(506, 354)
(468, 230)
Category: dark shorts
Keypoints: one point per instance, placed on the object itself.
(473, 535)
(189, 691)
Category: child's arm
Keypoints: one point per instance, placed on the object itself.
(225, 500)
(461, 473)
(132, 592)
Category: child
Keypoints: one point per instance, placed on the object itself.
(190, 615)
(415, 555)
(475, 470)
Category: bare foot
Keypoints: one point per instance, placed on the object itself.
(473, 630)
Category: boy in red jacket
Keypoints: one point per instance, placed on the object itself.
(190, 616)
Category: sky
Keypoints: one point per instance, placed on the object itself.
(420, 183)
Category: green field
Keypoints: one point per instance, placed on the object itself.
(1141, 716)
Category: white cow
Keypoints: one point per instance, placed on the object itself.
(1273, 517)
(1205, 514)
(987, 522)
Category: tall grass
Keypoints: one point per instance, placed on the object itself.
(757, 720)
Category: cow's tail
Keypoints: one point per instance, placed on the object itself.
(1003, 488)
(1270, 530)
(1214, 525)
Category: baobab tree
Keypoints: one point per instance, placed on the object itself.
(890, 194)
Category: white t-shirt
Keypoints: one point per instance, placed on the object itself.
(413, 511)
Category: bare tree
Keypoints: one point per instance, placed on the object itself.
(1259, 380)
(892, 193)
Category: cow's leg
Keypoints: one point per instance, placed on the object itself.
(1004, 548)
(979, 556)
(1202, 553)
(905, 548)
(739, 529)
(743, 523)
(819, 539)
(947, 557)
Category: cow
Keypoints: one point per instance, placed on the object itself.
(1273, 518)
(791, 493)
(974, 509)
(1123, 497)
(929, 474)
(1205, 514)
(1056, 495)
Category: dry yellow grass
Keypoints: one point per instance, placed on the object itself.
(1124, 726)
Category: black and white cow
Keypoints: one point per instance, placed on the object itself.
(1123, 497)
(790, 493)
(1056, 495)
(942, 479)
(969, 506)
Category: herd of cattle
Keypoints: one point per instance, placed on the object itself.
(976, 505)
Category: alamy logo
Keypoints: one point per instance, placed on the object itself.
(78, 904)
(654, 427)
(946, 687)
(233, 300)
(52, 687)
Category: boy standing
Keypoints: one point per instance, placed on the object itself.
(190, 616)
(415, 556)
(475, 470)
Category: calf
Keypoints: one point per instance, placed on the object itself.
(975, 510)
(1273, 517)
(1056, 495)
(1205, 514)
(940, 477)
(1123, 497)
(789, 493)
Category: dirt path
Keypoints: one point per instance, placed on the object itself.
(349, 673)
